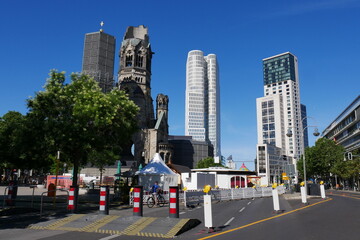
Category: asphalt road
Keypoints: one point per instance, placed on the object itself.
(335, 218)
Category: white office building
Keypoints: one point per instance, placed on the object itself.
(202, 103)
(279, 112)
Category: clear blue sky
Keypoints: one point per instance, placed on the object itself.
(325, 36)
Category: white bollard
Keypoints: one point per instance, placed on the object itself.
(303, 194)
(275, 195)
(322, 191)
(208, 211)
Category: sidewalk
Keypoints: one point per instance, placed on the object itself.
(29, 200)
(120, 220)
(296, 195)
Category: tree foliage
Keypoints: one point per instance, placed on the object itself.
(208, 162)
(11, 140)
(347, 169)
(80, 120)
(322, 159)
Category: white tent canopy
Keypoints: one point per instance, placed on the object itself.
(157, 170)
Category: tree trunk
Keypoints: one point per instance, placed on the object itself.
(75, 172)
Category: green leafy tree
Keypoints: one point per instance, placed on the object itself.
(348, 169)
(79, 120)
(11, 139)
(208, 162)
(322, 159)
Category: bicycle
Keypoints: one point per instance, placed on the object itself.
(151, 200)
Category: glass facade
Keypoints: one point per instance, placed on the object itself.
(345, 129)
(304, 124)
(202, 107)
(279, 68)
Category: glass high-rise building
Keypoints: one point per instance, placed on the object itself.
(202, 103)
(279, 112)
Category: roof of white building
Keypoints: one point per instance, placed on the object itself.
(222, 170)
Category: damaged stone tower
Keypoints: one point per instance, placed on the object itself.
(135, 79)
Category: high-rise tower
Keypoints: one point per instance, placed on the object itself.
(98, 58)
(278, 112)
(202, 106)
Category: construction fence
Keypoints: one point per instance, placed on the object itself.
(196, 197)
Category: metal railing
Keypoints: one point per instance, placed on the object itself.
(195, 197)
(42, 195)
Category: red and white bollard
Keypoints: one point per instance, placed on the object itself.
(72, 203)
(71, 198)
(9, 200)
(174, 202)
(104, 200)
(138, 201)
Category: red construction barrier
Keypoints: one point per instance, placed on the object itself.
(72, 200)
(174, 202)
(10, 200)
(138, 201)
(51, 190)
(62, 181)
(104, 200)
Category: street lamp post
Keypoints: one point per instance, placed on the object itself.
(316, 133)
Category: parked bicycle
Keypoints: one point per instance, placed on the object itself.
(160, 200)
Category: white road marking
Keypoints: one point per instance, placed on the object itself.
(242, 209)
(109, 237)
(249, 203)
(182, 212)
(228, 222)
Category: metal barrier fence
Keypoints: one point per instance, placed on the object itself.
(195, 197)
(42, 196)
(192, 198)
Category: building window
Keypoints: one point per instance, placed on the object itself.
(272, 134)
(139, 61)
(128, 61)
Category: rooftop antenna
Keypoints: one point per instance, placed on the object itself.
(101, 24)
